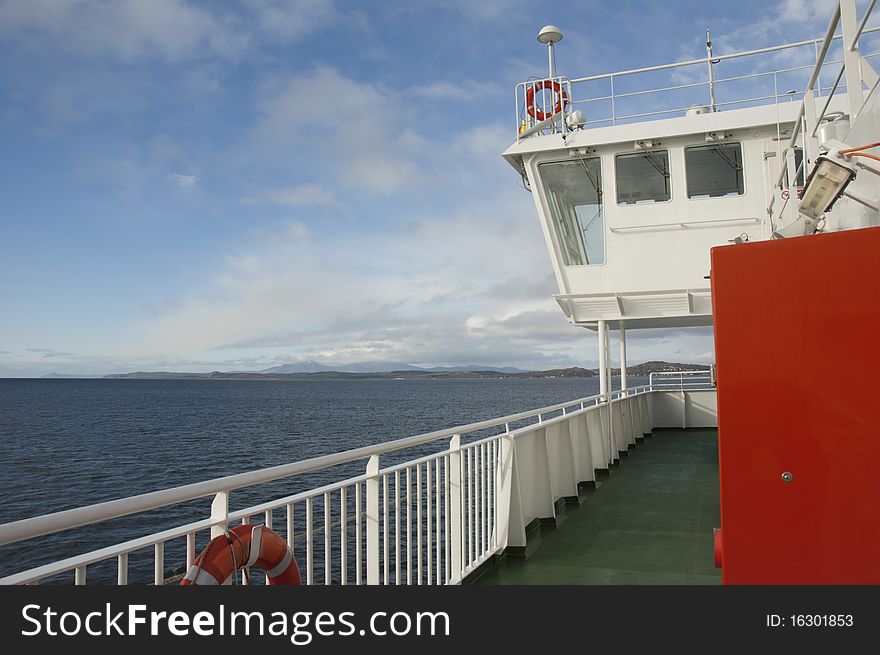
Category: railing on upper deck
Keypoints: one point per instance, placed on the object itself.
(853, 72)
(682, 380)
(430, 520)
(697, 85)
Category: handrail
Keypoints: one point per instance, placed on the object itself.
(616, 117)
(480, 545)
(808, 92)
(733, 55)
(30, 528)
(686, 224)
(852, 46)
(817, 69)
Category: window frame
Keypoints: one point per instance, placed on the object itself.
(629, 153)
(726, 196)
(551, 222)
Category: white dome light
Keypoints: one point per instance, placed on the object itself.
(550, 34)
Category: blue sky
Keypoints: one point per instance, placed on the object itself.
(232, 185)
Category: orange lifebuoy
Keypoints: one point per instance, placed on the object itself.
(244, 546)
(561, 99)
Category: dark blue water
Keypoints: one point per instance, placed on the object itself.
(68, 443)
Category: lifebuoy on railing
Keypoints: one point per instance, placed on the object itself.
(561, 99)
(241, 547)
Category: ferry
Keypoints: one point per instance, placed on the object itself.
(751, 208)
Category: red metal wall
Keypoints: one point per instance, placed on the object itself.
(797, 345)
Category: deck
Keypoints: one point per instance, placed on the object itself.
(649, 522)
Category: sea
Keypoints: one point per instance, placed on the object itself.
(69, 443)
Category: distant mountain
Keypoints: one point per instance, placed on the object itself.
(316, 367)
(70, 376)
(475, 367)
(646, 368)
(380, 367)
(299, 367)
(405, 371)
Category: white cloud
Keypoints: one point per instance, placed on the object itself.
(360, 139)
(127, 29)
(302, 195)
(292, 19)
(460, 91)
(484, 9)
(407, 294)
(185, 181)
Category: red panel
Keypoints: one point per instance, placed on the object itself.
(797, 337)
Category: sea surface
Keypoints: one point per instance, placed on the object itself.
(69, 443)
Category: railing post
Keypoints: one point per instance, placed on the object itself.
(811, 143)
(455, 498)
(851, 57)
(159, 564)
(683, 408)
(613, 107)
(711, 71)
(219, 514)
(372, 485)
(603, 366)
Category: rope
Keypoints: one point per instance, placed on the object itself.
(857, 148)
(235, 564)
(864, 154)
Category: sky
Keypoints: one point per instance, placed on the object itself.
(194, 186)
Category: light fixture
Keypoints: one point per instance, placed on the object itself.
(825, 185)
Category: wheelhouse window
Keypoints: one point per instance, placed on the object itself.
(714, 170)
(798, 166)
(574, 195)
(642, 177)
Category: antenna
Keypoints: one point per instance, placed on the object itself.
(550, 34)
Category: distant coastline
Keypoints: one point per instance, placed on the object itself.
(643, 369)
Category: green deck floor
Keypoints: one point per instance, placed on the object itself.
(649, 522)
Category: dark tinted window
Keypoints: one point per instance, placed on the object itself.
(643, 177)
(714, 170)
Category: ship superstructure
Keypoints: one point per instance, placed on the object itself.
(631, 203)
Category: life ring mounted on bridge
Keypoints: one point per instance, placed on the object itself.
(561, 99)
(241, 547)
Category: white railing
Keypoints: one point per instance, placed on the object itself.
(430, 520)
(682, 380)
(854, 71)
(603, 107)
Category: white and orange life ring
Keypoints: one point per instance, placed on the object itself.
(241, 547)
(561, 99)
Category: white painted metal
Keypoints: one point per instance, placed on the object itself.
(665, 291)
(159, 564)
(122, 568)
(190, 554)
(328, 539)
(852, 61)
(358, 535)
(372, 518)
(219, 513)
(343, 537)
(419, 502)
(396, 528)
(310, 540)
(603, 357)
(456, 498)
(622, 357)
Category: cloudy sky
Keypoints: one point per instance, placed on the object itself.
(193, 185)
